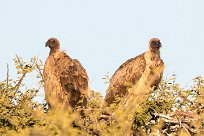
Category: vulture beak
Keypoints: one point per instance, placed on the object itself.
(159, 45)
(46, 44)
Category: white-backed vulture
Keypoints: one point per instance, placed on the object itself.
(129, 73)
(65, 79)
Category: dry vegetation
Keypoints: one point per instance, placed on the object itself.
(169, 110)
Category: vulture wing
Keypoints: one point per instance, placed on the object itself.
(126, 75)
(73, 79)
(66, 81)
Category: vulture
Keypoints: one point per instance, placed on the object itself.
(129, 73)
(65, 79)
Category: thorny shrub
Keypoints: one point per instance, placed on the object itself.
(21, 115)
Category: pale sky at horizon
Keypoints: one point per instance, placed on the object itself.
(102, 34)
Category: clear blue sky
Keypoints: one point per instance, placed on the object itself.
(102, 34)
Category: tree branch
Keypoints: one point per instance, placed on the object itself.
(20, 81)
(7, 76)
(39, 70)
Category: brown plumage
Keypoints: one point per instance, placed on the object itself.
(65, 79)
(145, 85)
(129, 73)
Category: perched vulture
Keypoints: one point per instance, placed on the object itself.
(65, 79)
(129, 73)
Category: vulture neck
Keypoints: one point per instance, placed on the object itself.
(54, 50)
(155, 51)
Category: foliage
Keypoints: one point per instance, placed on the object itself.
(169, 110)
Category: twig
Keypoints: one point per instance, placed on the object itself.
(7, 76)
(20, 81)
(39, 70)
(24, 74)
(19, 61)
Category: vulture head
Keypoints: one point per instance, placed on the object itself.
(52, 43)
(155, 44)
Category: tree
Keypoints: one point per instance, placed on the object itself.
(169, 109)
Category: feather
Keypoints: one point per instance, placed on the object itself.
(66, 81)
(130, 72)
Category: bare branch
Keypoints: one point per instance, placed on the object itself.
(24, 74)
(7, 76)
(38, 68)
(20, 81)
(19, 61)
